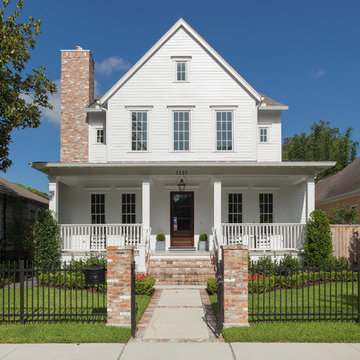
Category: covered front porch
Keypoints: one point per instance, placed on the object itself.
(264, 206)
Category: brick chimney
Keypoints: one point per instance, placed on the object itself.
(77, 92)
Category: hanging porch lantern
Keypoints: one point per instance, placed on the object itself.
(181, 183)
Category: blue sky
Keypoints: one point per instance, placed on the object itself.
(305, 54)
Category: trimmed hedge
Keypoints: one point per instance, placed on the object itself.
(261, 283)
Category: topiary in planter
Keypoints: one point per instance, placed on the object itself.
(160, 242)
(203, 243)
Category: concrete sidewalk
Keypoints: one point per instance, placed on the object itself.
(177, 351)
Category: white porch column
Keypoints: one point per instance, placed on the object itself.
(145, 223)
(54, 195)
(310, 196)
(217, 208)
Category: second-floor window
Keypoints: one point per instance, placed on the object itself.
(266, 202)
(181, 71)
(181, 130)
(139, 131)
(224, 131)
(100, 136)
(263, 135)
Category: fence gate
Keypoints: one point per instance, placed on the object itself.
(134, 307)
(220, 297)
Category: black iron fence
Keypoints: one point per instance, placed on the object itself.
(304, 292)
(220, 297)
(58, 293)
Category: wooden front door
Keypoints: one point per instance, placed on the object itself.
(182, 218)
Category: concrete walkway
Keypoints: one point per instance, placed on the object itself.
(177, 351)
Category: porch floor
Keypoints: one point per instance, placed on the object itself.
(180, 254)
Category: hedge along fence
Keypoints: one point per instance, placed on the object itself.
(302, 293)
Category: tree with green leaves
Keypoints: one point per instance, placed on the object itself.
(46, 239)
(19, 231)
(23, 93)
(323, 143)
(318, 239)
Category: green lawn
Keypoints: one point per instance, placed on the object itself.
(295, 332)
(323, 299)
(63, 333)
(53, 304)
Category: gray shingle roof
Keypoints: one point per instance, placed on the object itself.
(270, 102)
(11, 189)
(345, 181)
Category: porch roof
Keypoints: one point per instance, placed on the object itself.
(194, 167)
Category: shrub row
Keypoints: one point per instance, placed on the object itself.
(258, 283)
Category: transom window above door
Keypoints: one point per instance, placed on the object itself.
(139, 136)
(224, 130)
(181, 130)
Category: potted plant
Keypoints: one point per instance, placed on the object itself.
(203, 242)
(160, 242)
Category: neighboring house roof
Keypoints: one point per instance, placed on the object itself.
(345, 182)
(11, 189)
(181, 23)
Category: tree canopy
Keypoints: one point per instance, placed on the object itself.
(323, 143)
(22, 92)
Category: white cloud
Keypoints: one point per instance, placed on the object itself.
(97, 89)
(317, 73)
(111, 64)
(53, 116)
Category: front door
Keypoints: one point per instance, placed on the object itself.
(182, 218)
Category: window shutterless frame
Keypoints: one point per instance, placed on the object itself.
(263, 135)
(181, 69)
(181, 125)
(139, 130)
(224, 130)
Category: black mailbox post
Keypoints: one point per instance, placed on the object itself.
(94, 274)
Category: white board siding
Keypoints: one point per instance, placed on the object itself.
(97, 152)
(153, 85)
(270, 151)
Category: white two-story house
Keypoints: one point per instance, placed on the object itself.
(180, 145)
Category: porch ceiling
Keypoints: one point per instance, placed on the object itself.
(191, 168)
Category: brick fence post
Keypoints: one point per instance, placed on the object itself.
(119, 260)
(235, 259)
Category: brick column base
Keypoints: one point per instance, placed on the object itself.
(119, 285)
(235, 285)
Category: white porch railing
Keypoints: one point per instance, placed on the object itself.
(78, 237)
(265, 236)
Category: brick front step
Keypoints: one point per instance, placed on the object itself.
(181, 271)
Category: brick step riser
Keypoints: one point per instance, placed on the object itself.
(180, 272)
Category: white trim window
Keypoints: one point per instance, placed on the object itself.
(100, 136)
(266, 202)
(98, 208)
(139, 133)
(128, 208)
(224, 130)
(263, 135)
(235, 210)
(181, 130)
(181, 71)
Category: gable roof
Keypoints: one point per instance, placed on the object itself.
(11, 189)
(342, 183)
(181, 23)
(271, 104)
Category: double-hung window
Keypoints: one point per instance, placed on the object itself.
(224, 130)
(181, 130)
(235, 210)
(128, 207)
(181, 70)
(139, 126)
(266, 202)
(100, 136)
(263, 135)
(98, 208)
